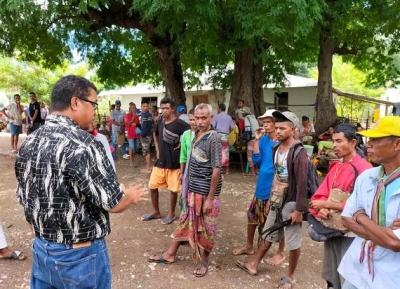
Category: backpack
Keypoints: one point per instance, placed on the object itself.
(312, 176)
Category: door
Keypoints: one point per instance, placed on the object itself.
(200, 98)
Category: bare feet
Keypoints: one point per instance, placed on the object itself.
(277, 259)
(243, 251)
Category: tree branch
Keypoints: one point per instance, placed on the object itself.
(345, 50)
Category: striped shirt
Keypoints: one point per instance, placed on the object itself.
(206, 155)
(66, 183)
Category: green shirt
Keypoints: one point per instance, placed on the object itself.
(186, 142)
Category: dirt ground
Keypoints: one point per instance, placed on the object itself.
(132, 241)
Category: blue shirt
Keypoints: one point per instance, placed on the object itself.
(386, 262)
(265, 161)
(146, 123)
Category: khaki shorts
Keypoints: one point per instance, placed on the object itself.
(165, 179)
(292, 233)
(146, 142)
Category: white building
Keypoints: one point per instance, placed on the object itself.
(298, 96)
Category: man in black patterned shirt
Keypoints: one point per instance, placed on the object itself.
(67, 186)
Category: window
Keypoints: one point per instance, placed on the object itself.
(153, 100)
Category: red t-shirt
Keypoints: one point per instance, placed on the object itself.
(340, 175)
(131, 128)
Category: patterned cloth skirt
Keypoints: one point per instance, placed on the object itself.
(195, 227)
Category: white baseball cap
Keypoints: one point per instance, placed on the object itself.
(268, 113)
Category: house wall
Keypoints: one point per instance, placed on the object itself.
(300, 99)
(214, 98)
(137, 99)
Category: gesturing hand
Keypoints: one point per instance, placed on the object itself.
(136, 193)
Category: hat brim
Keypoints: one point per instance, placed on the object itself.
(373, 133)
(265, 116)
(280, 116)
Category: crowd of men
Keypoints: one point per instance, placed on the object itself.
(69, 186)
(24, 119)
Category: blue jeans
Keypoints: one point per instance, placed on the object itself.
(15, 129)
(133, 144)
(114, 143)
(60, 266)
(348, 285)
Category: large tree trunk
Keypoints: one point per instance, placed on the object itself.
(326, 110)
(173, 75)
(247, 83)
(170, 63)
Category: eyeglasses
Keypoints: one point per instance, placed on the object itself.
(94, 104)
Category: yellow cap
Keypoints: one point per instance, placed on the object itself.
(386, 126)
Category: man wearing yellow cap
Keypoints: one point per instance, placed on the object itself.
(373, 214)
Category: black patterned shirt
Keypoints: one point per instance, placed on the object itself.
(66, 183)
(206, 154)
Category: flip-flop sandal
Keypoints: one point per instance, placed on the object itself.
(148, 217)
(15, 255)
(245, 269)
(160, 260)
(198, 267)
(167, 220)
(286, 281)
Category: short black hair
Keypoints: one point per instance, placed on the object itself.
(16, 95)
(32, 93)
(304, 118)
(191, 111)
(144, 101)
(166, 100)
(241, 100)
(347, 129)
(105, 132)
(67, 87)
(222, 106)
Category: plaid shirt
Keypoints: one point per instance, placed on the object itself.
(66, 183)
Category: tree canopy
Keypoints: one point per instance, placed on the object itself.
(175, 42)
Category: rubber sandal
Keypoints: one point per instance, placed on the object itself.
(284, 282)
(15, 255)
(167, 220)
(160, 260)
(200, 265)
(148, 217)
(244, 268)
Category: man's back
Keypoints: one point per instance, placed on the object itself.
(54, 170)
(117, 115)
(222, 123)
